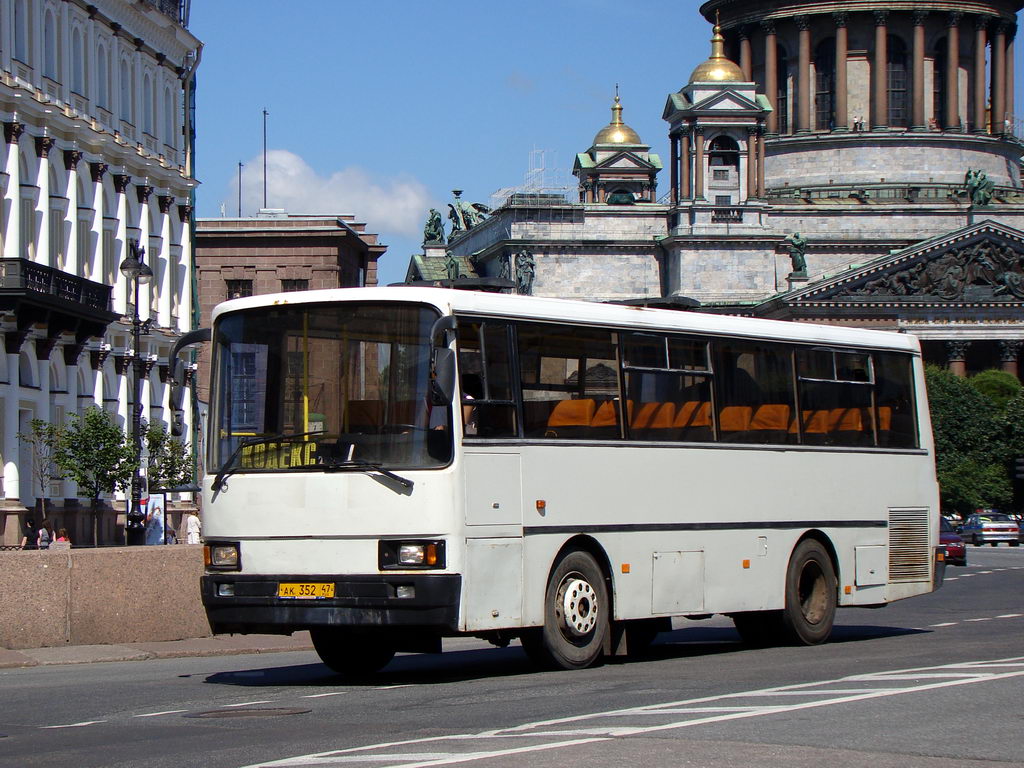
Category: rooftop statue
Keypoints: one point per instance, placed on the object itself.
(433, 230)
(797, 254)
(464, 215)
(526, 270)
(451, 265)
(979, 187)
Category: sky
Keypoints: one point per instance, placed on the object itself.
(380, 109)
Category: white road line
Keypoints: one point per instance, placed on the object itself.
(1010, 616)
(953, 578)
(392, 687)
(322, 695)
(247, 703)
(987, 618)
(165, 712)
(72, 725)
(967, 575)
(943, 676)
(945, 624)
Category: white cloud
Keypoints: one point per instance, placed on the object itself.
(397, 205)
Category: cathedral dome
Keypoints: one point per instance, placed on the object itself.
(617, 132)
(718, 68)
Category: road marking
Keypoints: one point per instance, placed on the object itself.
(247, 703)
(967, 575)
(321, 695)
(72, 725)
(555, 735)
(392, 687)
(954, 578)
(987, 618)
(165, 712)
(945, 624)
(1010, 616)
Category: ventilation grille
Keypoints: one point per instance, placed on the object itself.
(909, 552)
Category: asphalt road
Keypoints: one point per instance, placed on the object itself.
(935, 681)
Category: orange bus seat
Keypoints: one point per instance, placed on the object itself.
(571, 418)
(815, 426)
(884, 418)
(774, 418)
(654, 416)
(734, 419)
(605, 424)
(693, 422)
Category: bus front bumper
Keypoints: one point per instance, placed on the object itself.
(247, 604)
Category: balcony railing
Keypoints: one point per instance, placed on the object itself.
(727, 216)
(24, 275)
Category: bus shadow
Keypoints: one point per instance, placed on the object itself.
(467, 665)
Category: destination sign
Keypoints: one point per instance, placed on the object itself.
(278, 455)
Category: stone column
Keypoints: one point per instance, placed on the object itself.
(745, 54)
(978, 123)
(143, 192)
(880, 74)
(166, 267)
(43, 146)
(97, 358)
(952, 116)
(842, 86)
(685, 161)
(751, 162)
(1010, 80)
(95, 273)
(121, 288)
(998, 80)
(1009, 355)
(185, 288)
(12, 447)
(917, 122)
(698, 165)
(956, 356)
(72, 265)
(12, 199)
(771, 74)
(673, 141)
(760, 163)
(803, 76)
(72, 355)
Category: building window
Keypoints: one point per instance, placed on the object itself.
(77, 63)
(724, 153)
(147, 104)
(897, 81)
(169, 118)
(21, 22)
(825, 85)
(126, 92)
(782, 94)
(50, 46)
(238, 289)
(294, 285)
(720, 174)
(102, 78)
(725, 200)
(939, 92)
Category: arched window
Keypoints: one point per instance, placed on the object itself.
(825, 85)
(147, 104)
(782, 95)
(897, 81)
(49, 46)
(724, 152)
(169, 115)
(939, 91)
(78, 79)
(102, 77)
(126, 91)
(21, 24)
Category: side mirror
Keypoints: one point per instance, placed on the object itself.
(177, 376)
(442, 376)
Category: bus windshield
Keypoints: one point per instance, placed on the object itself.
(303, 387)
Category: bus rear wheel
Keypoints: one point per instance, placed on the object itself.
(351, 653)
(811, 596)
(575, 615)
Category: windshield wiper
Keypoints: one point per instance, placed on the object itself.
(369, 466)
(229, 468)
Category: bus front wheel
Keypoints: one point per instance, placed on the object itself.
(576, 611)
(811, 595)
(352, 654)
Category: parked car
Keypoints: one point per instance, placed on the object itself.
(956, 550)
(991, 528)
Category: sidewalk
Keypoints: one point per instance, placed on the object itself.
(221, 645)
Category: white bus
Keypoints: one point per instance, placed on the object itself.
(388, 467)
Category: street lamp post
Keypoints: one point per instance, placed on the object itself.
(138, 272)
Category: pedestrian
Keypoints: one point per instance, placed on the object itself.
(155, 526)
(62, 535)
(193, 527)
(45, 534)
(29, 534)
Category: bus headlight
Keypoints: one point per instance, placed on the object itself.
(222, 557)
(411, 554)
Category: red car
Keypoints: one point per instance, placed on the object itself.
(956, 550)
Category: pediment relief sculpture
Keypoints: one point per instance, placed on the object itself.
(984, 271)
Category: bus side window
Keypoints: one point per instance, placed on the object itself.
(894, 397)
(485, 378)
(755, 395)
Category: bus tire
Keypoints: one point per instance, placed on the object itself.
(811, 595)
(576, 611)
(759, 629)
(349, 653)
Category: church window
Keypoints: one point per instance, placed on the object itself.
(825, 85)
(782, 94)
(723, 200)
(939, 92)
(720, 174)
(897, 81)
(724, 153)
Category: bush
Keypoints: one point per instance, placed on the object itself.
(998, 386)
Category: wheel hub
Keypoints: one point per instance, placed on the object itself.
(579, 606)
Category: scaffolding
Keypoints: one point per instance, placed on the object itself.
(542, 179)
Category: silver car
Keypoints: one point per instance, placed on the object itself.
(991, 528)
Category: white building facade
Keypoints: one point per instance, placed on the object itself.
(96, 154)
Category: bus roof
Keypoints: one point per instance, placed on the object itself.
(587, 313)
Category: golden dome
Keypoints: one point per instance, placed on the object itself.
(718, 68)
(617, 132)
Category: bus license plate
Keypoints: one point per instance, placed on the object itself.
(306, 591)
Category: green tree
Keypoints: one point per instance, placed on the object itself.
(971, 452)
(170, 460)
(998, 386)
(43, 439)
(96, 454)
